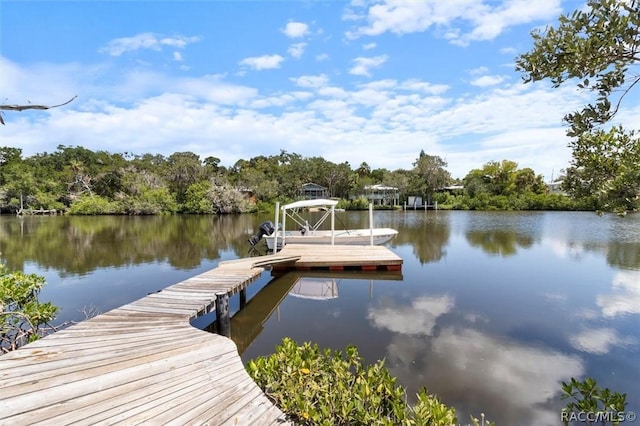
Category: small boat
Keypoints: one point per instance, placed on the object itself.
(312, 233)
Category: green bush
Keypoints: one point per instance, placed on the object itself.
(196, 200)
(150, 201)
(94, 205)
(587, 397)
(358, 204)
(22, 316)
(321, 387)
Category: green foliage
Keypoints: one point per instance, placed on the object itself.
(321, 387)
(587, 397)
(502, 178)
(607, 170)
(94, 205)
(183, 169)
(596, 48)
(356, 204)
(196, 201)
(84, 182)
(151, 201)
(226, 199)
(526, 201)
(429, 174)
(22, 316)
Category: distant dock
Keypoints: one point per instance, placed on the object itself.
(145, 363)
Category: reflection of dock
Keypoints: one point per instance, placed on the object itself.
(248, 323)
(144, 362)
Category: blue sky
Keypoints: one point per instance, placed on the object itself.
(365, 81)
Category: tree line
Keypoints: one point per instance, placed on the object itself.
(81, 181)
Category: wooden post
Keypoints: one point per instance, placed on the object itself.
(371, 222)
(223, 321)
(333, 225)
(243, 298)
(275, 239)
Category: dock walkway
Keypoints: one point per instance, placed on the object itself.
(143, 363)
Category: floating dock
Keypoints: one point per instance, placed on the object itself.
(145, 363)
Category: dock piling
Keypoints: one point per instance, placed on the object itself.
(243, 298)
(223, 321)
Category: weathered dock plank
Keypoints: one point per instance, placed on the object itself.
(140, 363)
(322, 256)
(143, 363)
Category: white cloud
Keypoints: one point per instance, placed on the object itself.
(424, 87)
(177, 56)
(392, 119)
(599, 341)
(463, 21)
(151, 41)
(214, 89)
(24, 84)
(311, 81)
(264, 62)
(487, 80)
(322, 57)
(479, 71)
(333, 92)
(296, 50)
(296, 29)
(512, 51)
(364, 65)
(281, 100)
(368, 46)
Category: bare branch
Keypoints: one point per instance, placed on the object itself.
(25, 107)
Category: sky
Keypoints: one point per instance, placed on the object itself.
(361, 81)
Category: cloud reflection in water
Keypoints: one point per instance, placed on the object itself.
(511, 382)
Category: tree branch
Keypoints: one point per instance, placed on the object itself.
(25, 107)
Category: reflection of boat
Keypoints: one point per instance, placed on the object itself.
(312, 234)
(315, 288)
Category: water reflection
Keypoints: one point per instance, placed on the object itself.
(600, 341)
(80, 245)
(426, 232)
(315, 288)
(624, 254)
(558, 297)
(419, 318)
(624, 297)
(503, 233)
(498, 242)
(309, 286)
(511, 382)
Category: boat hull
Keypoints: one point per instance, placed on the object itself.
(361, 237)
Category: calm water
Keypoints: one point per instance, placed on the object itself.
(491, 310)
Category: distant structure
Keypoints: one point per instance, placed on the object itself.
(381, 195)
(555, 187)
(453, 189)
(313, 191)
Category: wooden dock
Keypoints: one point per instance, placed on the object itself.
(145, 363)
